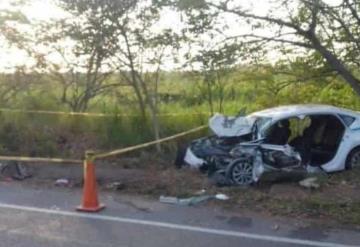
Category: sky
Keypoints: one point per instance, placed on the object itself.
(44, 10)
(39, 10)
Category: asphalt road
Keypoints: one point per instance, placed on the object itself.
(46, 217)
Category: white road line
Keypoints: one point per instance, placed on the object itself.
(175, 226)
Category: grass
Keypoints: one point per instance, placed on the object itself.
(337, 202)
(62, 135)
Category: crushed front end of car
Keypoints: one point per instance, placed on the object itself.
(227, 132)
(237, 155)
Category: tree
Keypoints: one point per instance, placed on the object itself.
(75, 54)
(17, 79)
(138, 46)
(214, 66)
(297, 26)
(14, 83)
(10, 21)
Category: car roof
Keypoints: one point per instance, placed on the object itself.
(304, 109)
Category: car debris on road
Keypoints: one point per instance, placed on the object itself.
(116, 186)
(62, 182)
(310, 183)
(279, 142)
(14, 170)
(194, 200)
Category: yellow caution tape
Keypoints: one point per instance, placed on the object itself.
(43, 160)
(101, 155)
(90, 114)
(56, 112)
(140, 146)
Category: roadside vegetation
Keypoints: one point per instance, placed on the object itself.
(130, 57)
(183, 104)
(155, 77)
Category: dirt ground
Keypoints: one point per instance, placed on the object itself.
(336, 202)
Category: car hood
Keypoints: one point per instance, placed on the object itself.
(230, 126)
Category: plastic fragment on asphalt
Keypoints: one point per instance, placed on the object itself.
(62, 182)
(184, 201)
(310, 183)
(14, 170)
(191, 200)
(169, 199)
(275, 227)
(200, 192)
(116, 186)
(222, 197)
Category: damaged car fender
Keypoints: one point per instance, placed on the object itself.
(252, 160)
(193, 161)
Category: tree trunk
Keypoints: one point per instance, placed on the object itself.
(335, 63)
(210, 97)
(150, 100)
(140, 100)
(156, 126)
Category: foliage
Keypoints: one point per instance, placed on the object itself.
(330, 30)
(113, 56)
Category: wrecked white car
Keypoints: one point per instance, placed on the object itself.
(297, 139)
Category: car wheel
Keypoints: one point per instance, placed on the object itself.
(240, 172)
(353, 159)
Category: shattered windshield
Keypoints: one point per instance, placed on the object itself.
(230, 126)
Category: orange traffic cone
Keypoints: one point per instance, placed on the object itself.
(90, 202)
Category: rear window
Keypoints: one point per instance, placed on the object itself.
(348, 120)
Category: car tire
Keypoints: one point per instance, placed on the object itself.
(240, 172)
(353, 159)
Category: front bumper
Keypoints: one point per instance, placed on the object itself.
(192, 160)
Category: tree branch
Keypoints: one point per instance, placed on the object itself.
(275, 39)
(258, 17)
